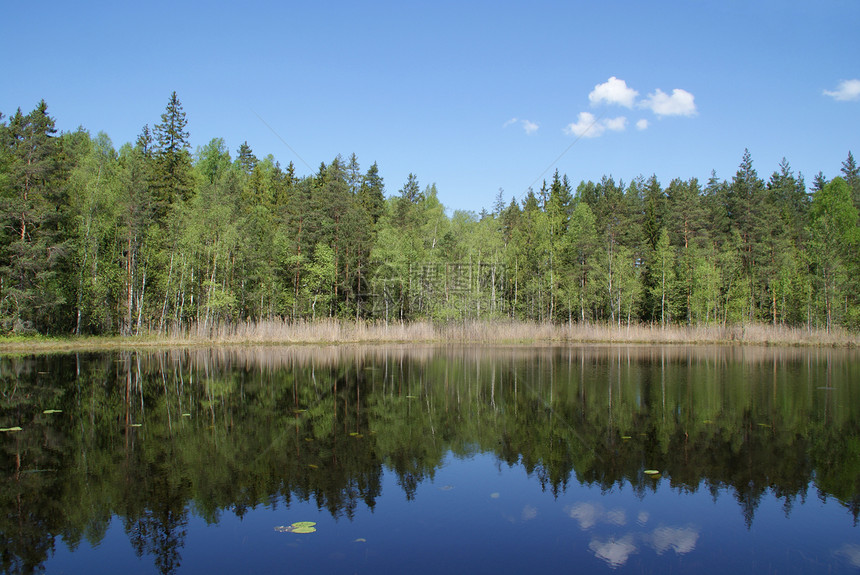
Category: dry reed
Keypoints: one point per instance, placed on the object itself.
(336, 331)
(330, 331)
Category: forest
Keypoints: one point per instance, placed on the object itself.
(152, 238)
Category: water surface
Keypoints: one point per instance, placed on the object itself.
(431, 459)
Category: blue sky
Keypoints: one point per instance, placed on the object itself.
(474, 96)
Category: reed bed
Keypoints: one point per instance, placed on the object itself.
(335, 332)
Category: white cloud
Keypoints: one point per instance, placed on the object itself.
(586, 126)
(848, 90)
(614, 552)
(642, 124)
(616, 124)
(680, 103)
(613, 91)
(528, 126)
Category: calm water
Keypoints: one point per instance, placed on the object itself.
(432, 459)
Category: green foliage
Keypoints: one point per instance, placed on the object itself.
(95, 241)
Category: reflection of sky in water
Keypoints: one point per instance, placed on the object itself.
(585, 513)
(529, 512)
(589, 514)
(679, 540)
(616, 550)
(616, 517)
(851, 553)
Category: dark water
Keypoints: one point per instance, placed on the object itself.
(430, 460)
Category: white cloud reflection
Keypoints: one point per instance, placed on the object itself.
(615, 552)
(616, 517)
(851, 552)
(590, 514)
(617, 549)
(681, 540)
(586, 514)
(529, 512)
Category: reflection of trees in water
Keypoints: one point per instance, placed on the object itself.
(235, 428)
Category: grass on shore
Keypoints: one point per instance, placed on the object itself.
(278, 332)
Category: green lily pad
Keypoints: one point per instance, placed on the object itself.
(411, 397)
(297, 527)
(11, 429)
(135, 424)
(626, 437)
(651, 472)
(50, 411)
(186, 415)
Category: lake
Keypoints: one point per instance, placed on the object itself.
(430, 459)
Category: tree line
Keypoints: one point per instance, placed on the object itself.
(153, 237)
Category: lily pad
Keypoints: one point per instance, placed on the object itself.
(626, 437)
(303, 524)
(50, 411)
(135, 424)
(186, 415)
(651, 472)
(297, 527)
(11, 429)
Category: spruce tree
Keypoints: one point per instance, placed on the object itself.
(851, 173)
(173, 179)
(245, 158)
(33, 208)
(371, 194)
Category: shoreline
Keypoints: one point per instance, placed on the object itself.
(334, 332)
